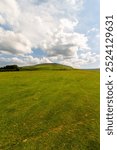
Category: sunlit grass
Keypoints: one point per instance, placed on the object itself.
(49, 110)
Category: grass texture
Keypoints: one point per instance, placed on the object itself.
(50, 110)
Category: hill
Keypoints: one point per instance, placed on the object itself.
(46, 66)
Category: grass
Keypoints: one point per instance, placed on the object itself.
(47, 66)
(49, 110)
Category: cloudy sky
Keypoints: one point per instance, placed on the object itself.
(49, 31)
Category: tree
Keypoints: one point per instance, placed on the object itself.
(10, 68)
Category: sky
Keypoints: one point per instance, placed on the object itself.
(50, 31)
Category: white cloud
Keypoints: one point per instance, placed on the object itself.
(30, 60)
(23, 61)
(14, 43)
(46, 25)
(89, 57)
(93, 30)
(83, 59)
(9, 10)
(2, 21)
(97, 35)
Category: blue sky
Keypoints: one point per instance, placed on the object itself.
(36, 31)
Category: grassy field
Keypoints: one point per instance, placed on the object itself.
(49, 110)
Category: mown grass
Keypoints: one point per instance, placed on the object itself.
(49, 110)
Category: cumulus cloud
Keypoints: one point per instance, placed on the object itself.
(14, 43)
(75, 62)
(23, 60)
(9, 10)
(2, 21)
(46, 25)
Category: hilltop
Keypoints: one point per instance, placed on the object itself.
(46, 66)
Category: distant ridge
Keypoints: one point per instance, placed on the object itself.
(46, 66)
(91, 69)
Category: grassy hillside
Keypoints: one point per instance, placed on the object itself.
(49, 110)
(47, 66)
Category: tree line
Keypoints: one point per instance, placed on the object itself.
(9, 68)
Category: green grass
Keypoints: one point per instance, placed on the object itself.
(49, 110)
(47, 66)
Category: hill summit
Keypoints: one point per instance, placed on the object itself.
(46, 66)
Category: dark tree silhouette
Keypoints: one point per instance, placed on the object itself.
(10, 68)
